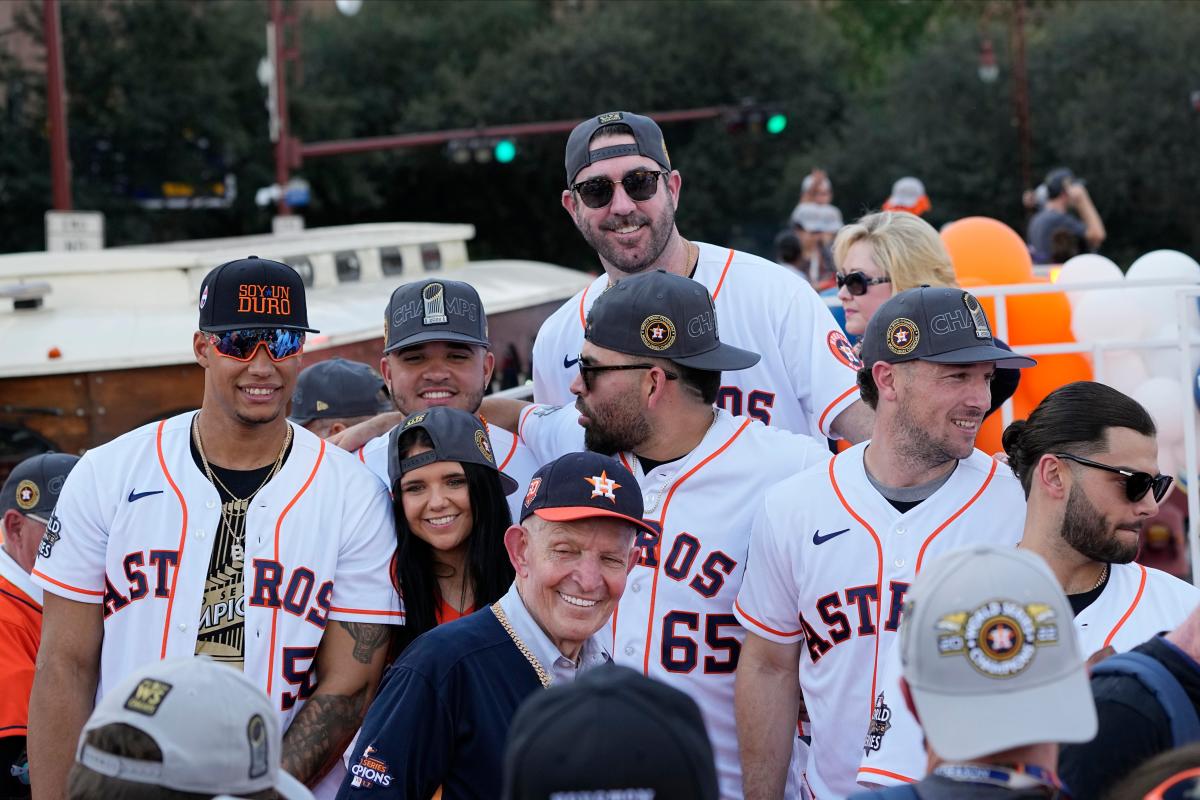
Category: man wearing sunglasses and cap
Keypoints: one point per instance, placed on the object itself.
(834, 549)
(622, 193)
(1087, 461)
(226, 532)
(645, 388)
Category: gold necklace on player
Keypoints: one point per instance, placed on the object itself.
(1100, 580)
(233, 513)
(542, 675)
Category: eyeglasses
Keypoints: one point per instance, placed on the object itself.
(241, 345)
(857, 283)
(587, 370)
(1136, 483)
(640, 184)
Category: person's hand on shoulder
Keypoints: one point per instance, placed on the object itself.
(356, 436)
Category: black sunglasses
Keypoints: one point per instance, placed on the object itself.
(857, 283)
(1136, 483)
(640, 184)
(587, 370)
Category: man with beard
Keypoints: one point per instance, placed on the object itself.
(622, 194)
(834, 549)
(648, 375)
(1087, 461)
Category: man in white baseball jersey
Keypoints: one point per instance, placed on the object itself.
(647, 378)
(834, 549)
(226, 532)
(1087, 461)
(622, 194)
(436, 354)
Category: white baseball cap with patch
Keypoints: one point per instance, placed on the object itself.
(991, 656)
(217, 731)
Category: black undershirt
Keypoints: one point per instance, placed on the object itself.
(1084, 599)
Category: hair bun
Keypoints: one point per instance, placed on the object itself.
(1010, 440)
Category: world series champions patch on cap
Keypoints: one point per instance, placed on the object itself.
(253, 292)
(434, 310)
(648, 141)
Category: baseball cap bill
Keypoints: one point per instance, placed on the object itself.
(648, 142)
(253, 292)
(661, 315)
(934, 323)
(456, 436)
(338, 389)
(435, 310)
(584, 485)
(33, 486)
(991, 656)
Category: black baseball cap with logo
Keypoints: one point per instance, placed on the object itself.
(648, 142)
(934, 323)
(34, 484)
(338, 389)
(253, 292)
(434, 310)
(661, 315)
(456, 436)
(584, 485)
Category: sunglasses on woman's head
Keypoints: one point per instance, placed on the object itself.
(640, 184)
(857, 283)
(1136, 483)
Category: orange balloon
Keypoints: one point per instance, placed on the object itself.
(987, 249)
(1050, 373)
(988, 438)
(1039, 318)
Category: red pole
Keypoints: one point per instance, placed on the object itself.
(1021, 95)
(281, 108)
(60, 159)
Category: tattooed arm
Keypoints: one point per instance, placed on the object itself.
(349, 664)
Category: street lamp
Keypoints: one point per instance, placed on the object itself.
(989, 70)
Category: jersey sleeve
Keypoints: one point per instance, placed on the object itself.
(550, 431)
(19, 644)
(405, 746)
(362, 587)
(70, 560)
(826, 378)
(768, 602)
(548, 379)
(898, 756)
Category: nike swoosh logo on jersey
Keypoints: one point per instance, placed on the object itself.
(135, 495)
(819, 539)
(569, 362)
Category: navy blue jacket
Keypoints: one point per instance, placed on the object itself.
(442, 715)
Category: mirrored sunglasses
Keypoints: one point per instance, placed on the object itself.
(241, 345)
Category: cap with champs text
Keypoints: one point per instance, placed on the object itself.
(434, 310)
(991, 655)
(33, 486)
(338, 389)
(648, 142)
(456, 435)
(613, 732)
(584, 485)
(253, 292)
(217, 731)
(934, 323)
(661, 315)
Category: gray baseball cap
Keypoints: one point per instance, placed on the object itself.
(991, 655)
(338, 389)
(934, 323)
(661, 315)
(456, 435)
(648, 142)
(34, 484)
(434, 310)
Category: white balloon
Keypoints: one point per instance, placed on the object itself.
(1164, 362)
(1088, 268)
(1106, 315)
(1164, 264)
(1124, 370)
(1163, 399)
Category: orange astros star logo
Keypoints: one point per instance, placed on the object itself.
(603, 486)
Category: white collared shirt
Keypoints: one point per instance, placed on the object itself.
(560, 668)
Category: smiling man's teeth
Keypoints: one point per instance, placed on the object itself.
(966, 424)
(438, 395)
(257, 392)
(578, 601)
(628, 228)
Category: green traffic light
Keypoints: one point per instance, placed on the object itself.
(776, 123)
(505, 151)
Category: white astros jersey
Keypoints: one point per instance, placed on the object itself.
(830, 563)
(1137, 603)
(134, 528)
(675, 622)
(512, 458)
(807, 373)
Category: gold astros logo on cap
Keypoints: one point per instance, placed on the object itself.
(902, 336)
(417, 420)
(612, 116)
(658, 332)
(1000, 638)
(28, 494)
(147, 696)
(485, 447)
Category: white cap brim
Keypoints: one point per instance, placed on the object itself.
(291, 789)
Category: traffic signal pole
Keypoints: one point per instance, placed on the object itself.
(60, 157)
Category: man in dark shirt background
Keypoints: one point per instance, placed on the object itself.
(1047, 241)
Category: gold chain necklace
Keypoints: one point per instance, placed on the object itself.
(1100, 580)
(543, 676)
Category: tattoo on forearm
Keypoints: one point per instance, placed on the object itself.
(320, 731)
(367, 639)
